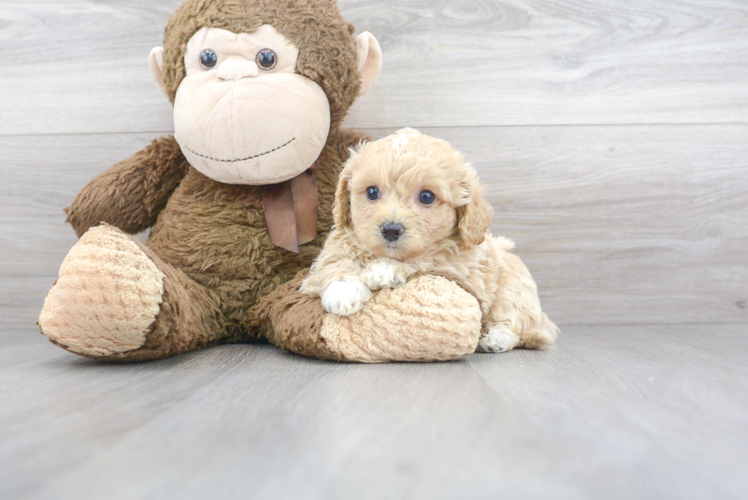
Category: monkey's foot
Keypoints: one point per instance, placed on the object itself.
(108, 295)
(427, 319)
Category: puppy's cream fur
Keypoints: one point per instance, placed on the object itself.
(447, 238)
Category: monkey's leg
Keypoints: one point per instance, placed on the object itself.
(116, 300)
(427, 319)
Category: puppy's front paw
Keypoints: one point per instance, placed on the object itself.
(345, 297)
(382, 274)
(498, 339)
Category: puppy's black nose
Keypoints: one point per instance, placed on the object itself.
(391, 231)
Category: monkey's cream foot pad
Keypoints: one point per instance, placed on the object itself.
(428, 319)
(109, 292)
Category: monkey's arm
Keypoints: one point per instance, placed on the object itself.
(130, 194)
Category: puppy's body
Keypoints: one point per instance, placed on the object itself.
(380, 243)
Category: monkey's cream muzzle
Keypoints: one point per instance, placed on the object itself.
(238, 123)
(243, 116)
(236, 70)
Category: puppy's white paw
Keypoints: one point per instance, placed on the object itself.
(498, 339)
(382, 274)
(345, 297)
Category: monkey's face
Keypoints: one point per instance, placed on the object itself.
(242, 115)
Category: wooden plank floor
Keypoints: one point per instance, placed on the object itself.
(613, 137)
(82, 66)
(611, 412)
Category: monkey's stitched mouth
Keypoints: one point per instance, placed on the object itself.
(242, 159)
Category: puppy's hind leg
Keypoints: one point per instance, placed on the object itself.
(535, 338)
(516, 317)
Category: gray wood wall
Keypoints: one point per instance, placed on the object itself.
(613, 135)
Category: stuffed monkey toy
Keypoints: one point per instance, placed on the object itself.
(239, 202)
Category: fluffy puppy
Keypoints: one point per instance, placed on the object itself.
(409, 204)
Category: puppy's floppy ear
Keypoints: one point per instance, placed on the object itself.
(474, 218)
(341, 208)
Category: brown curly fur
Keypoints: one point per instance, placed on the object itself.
(210, 239)
(293, 320)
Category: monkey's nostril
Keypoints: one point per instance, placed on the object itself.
(391, 231)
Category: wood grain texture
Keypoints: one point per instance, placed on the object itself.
(613, 137)
(81, 66)
(610, 412)
(619, 225)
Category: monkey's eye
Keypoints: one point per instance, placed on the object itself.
(426, 197)
(208, 58)
(372, 193)
(266, 59)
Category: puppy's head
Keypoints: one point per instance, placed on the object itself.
(408, 194)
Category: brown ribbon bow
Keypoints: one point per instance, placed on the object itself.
(291, 210)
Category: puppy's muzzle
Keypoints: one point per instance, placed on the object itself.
(391, 231)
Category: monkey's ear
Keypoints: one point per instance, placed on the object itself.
(368, 60)
(156, 60)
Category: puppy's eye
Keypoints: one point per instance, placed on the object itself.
(266, 59)
(372, 193)
(426, 197)
(208, 59)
